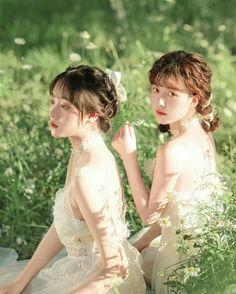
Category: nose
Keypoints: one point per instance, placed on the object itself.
(53, 111)
(161, 102)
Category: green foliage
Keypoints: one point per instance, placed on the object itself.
(126, 36)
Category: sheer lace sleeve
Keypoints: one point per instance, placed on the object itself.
(101, 206)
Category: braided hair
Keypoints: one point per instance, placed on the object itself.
(90, 90)
(195, 74)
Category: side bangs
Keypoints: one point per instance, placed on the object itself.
(170, 80)
(66, 87)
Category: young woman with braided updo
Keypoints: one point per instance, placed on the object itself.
(89, 212)
(180, 99)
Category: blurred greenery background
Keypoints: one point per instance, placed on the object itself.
(39, 38)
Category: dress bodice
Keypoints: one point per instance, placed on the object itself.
(75, 234)
(183, 209)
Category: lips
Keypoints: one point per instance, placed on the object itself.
(159, 112)
(53, 125)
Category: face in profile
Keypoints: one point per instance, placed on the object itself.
(64, 118)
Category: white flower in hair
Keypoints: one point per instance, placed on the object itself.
(116, 78)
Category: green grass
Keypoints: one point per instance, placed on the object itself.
(129, 35)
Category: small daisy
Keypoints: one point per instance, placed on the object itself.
(19, 41)
(84, 35)
(164, 222)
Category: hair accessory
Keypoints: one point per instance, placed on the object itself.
(209, 117)
(116, 78)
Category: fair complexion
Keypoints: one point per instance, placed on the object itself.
(174, 168)
(87, 201)
(47, 249)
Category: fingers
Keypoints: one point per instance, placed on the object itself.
(124, 131)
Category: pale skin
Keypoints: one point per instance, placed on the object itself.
(86, 202)
(174, 161)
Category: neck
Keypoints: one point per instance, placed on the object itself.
(179, 128)
(86, 142)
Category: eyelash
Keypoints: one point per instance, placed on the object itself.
(65, 106)
(51, 101)
(155, 90)
(170, 93)
(173, 94)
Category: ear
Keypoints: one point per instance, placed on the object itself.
(195, 100)
(91, 117)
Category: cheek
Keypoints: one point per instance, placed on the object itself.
(180, 108)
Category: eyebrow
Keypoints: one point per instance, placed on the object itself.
(60, 98)
(169, 87)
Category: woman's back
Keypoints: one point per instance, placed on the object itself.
(197, 157)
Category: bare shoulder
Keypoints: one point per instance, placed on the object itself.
(171, 156)
(97, 170)
(172, 149)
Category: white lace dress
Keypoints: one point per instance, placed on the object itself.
(182, 214)
(80, 259)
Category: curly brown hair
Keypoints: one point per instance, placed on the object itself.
(195, 74)
(90, 90)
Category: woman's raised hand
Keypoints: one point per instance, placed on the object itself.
(124, 141)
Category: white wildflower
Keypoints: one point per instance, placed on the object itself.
(19, 240)
(164, 222)
(19, 41)
(5, 229)
(190, 272)
(203, 43)
(187, 27)
(139, 122)
(222, 28)
(9, 172)
(219, 189)
(26, 66)
(29, 191)
(74, 57)
(84, 35)
(91, 46)
(171, 1)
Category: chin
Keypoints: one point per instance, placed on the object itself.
(57, 135)
(162, 121)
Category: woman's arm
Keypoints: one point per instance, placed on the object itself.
(149, 205)
(92, 202)
(153, 232)
(46, 250)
